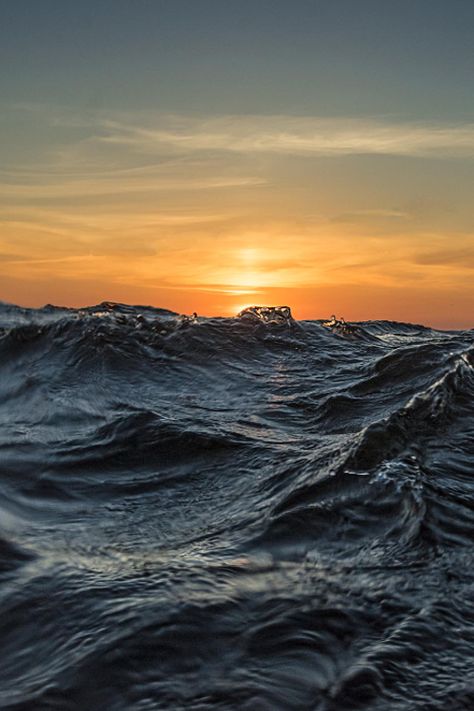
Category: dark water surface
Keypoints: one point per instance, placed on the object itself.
(234, 513)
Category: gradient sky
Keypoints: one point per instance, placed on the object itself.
(210, 154)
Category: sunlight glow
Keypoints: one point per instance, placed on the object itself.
(234, 310)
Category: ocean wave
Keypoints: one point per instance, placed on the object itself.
(248, 512)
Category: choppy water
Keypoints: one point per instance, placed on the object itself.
(248, 513)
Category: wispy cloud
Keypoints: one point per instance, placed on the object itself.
(461, 257)
(372, 214)
(291, 135)
(96, 185)
(161, 133)
(119, 154)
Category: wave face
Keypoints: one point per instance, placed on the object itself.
(248, 513)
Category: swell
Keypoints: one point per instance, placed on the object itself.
(386, 486)
(129, 340)
(233, 513)
(425, 414)
(116, 335)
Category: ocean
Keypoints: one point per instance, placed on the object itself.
(247, 513)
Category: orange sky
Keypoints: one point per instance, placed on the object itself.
(316, 271)
(362, 218)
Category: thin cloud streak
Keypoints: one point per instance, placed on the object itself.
(292, 135)
(153, 132)
(94, 187)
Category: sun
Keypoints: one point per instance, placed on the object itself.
(234, 310)
(237, 309)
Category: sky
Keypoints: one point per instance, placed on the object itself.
(203, 155)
